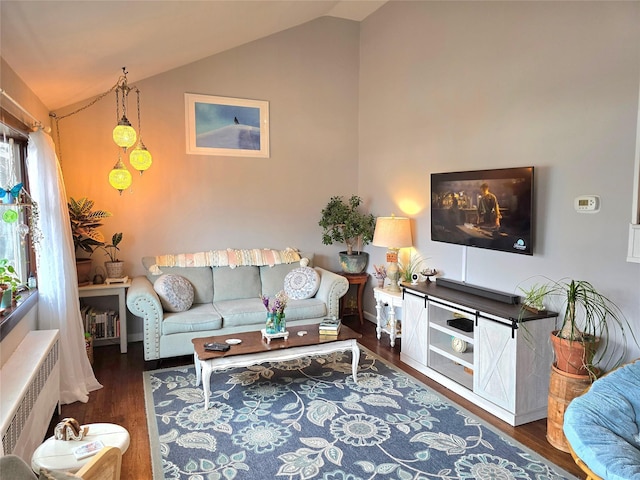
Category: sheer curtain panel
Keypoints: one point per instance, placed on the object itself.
(59, 304)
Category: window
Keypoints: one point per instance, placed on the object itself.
(15, 243)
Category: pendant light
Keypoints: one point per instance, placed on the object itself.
(140, 158)
(123, 134)
(120, 177)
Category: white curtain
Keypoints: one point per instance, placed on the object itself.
(58, 301)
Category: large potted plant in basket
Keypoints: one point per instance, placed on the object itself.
(342, 221)
(85, 223)
(588, 321)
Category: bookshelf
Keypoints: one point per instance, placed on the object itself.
(98, 307)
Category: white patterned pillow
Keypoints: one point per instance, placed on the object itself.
(175, 292)
(301, 283)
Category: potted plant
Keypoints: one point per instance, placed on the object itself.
(588, 319)
(9, 282)
(115, 267)
(86, 237)
(342, 221)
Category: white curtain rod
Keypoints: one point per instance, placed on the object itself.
(37, 123)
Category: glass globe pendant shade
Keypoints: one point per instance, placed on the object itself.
(124, 135)
(120, 177)
(140, 158)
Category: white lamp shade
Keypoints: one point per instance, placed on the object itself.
(392, 232)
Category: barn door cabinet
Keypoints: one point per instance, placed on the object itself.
(477, 348)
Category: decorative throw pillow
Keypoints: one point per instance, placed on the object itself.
(301, 283)
(175, 292)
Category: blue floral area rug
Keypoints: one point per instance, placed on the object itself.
(307, 419)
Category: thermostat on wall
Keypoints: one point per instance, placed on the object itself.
(587, 203)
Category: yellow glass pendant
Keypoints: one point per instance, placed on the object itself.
(140, 158)
(124, 134)
(120, 177)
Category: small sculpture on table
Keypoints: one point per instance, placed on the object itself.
(70, 429)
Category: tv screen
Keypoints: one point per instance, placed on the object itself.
(484, 208)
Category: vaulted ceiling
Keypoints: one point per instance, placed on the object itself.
(67, 51)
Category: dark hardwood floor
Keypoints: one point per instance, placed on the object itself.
(121, 401)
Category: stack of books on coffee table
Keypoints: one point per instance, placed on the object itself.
(330, 326)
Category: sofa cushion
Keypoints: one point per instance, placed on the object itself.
(303, 309)
(273, 277)
(200, 278)
(236, 283)
(301, 283)
(198, 318)
(238, 313)
(175, 292)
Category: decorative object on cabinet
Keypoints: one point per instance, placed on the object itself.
(410, 268)
(230, 127)
(381, 274)
(344, 222)
(394, 233)
(501, 364)
(387, 320)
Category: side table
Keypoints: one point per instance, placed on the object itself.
(359, 279)
(113, 289)
(58, 454)
(386, 318)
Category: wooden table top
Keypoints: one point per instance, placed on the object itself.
(252, 342)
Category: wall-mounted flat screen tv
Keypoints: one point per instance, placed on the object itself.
(484, 208)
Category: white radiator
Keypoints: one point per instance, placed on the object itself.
(29, 393)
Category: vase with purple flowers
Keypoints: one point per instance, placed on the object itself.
(275, 313)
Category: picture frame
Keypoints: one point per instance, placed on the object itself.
(225, 126)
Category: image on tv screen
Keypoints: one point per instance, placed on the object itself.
(484, 208)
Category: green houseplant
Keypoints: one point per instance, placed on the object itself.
(9, 282)
(115, 266)
(342, 221)
(85, 223)
(589, 319)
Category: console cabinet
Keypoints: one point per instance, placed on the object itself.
(493, 355)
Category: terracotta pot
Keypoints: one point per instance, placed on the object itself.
(83, 269)
(573, 356)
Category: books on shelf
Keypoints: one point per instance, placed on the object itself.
(100, 323)
(329, 326)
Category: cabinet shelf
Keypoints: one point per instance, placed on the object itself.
(453, 332)
(465, 359)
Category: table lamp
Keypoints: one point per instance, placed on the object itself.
(394, 233)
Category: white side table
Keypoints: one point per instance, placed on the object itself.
(386, 304)
(114, 289)
(58, 454)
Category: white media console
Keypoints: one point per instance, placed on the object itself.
(503, 365)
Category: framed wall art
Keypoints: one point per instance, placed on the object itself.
(224, 126)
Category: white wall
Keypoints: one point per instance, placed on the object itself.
(191, 203)
(448, 86)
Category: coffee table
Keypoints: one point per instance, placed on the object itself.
(253, 350)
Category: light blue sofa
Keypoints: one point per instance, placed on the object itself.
(602, 426)
(226, 301)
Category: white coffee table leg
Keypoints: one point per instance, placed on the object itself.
(355, 361)
(206, 379)
(198, 367)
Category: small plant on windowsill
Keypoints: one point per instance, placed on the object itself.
(9, 283)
